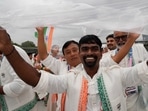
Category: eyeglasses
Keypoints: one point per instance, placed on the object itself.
(123, 37)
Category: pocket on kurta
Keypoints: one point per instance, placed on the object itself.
(119, 104)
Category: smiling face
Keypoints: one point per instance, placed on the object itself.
(90, 55)
(120, 37)
(71, 54)
(111, 43)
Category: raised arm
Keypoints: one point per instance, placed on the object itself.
(125, 48)
(42, 51)
(24, 70)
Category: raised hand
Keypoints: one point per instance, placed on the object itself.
(40, 30)
(5, 42)
(42, 51)
(133, 35)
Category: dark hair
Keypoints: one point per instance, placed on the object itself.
(88, 39)
(110, 36)
(67, 44)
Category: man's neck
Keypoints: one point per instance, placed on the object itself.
(91, 71)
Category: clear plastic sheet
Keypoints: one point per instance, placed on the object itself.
(98, 14)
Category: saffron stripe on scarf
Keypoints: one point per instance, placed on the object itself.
(83, 95)
(63, 102)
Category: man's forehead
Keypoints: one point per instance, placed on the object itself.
(110, 39)
(89, 45)
(118, 33)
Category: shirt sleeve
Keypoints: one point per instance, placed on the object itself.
(52, 63)
(107, 61)
(15, 88)
(136, 75)
(52, 83)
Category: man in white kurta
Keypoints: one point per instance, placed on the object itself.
(18, 95)
(58, 67)
(70, 51)
(136, 55)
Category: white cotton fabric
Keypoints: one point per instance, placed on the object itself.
(98, 14)
(115, 78)
(139, 54)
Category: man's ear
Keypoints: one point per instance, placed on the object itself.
(101, 50)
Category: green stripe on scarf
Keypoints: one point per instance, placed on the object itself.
(27, 107)
(4, 106)
(106, 105)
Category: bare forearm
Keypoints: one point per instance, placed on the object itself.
(125, 48)
(42, 51)
(123, 51)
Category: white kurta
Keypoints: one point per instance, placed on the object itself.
(115, 81)
(139, 54)
(17, 92)
(57, 67)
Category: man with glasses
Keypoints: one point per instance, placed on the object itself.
(120, 39)
(136, 55)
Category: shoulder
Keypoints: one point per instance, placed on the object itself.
(113, 69)
(23, 54)
(139, 48)
(19, 49)
(138, 45)
(109, 53)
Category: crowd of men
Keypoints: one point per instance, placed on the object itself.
(88, 79)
